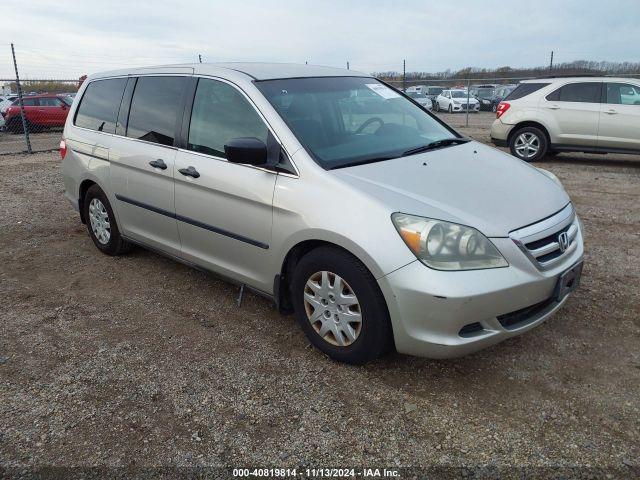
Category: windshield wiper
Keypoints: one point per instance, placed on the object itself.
(445, 142)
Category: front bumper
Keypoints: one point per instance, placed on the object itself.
(441, 314)
(462, 108)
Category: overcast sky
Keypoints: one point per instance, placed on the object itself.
(64, 39)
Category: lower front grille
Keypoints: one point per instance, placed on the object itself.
(522, 317)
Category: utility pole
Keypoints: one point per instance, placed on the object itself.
(19, 89)
(200, 58)
(551, 62)
(404, 75)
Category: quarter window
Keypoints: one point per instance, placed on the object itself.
(98, 109)
(220, 113)
(623, 94)
(586, 92)
(524, 89)
(155, 108)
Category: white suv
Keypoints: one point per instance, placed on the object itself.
(584, 114)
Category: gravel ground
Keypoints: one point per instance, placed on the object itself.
(138, 361)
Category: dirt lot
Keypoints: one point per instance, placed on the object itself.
(139, 361)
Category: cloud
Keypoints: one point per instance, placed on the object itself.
(70, 38)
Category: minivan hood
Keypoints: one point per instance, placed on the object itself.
(471, 184)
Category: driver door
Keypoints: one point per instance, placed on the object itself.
(224, 210)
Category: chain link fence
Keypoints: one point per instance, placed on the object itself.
(34, 114)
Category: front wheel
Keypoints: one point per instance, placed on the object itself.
(437, 107)
(528, 144)
(450, 109)
(494, 107)
(340, 307)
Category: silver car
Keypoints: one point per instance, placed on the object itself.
(349, 205)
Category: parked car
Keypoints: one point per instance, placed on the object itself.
(456, 101)
(41, 111)
(584, 114)
(499, 94)
(5, 103)
(375, 222)
(422, 99)
(432, 93)
(483, 94)
(416, 89)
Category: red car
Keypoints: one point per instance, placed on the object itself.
(41, 111)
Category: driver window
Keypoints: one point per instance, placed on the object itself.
(220, 113)
(623, 94)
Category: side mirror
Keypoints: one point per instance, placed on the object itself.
(247, 150)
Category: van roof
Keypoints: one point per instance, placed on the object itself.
(255, 70)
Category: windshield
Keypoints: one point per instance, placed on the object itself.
(416, 95)
(344, 121)
(68, 99)
(434, 90)
(458, 94)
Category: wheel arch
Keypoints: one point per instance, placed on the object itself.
(529, 123)
(281, 285)
(84, 186)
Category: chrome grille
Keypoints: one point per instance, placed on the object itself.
(547, 242)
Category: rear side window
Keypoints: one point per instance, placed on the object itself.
(98, 109)
(27, 102)
(525, 89)
(220, 113)
(585, 92)
(154, 109)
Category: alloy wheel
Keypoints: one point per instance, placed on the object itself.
(99, 220)
(527, 145)
(332, 308)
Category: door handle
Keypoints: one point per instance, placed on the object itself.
(189, 172)
(554, 107)
(610, 112)
(158, 164)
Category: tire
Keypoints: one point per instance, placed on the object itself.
(96, 206)
(371, 337)
(450, 108)
(494, 107)
(437, 107)
(537, 140)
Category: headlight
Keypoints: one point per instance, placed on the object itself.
(447, 246)
(455, 102)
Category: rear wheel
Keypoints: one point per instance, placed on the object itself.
(101, 223)
(494, 107)
(340, 307)
(529, 144)
(450, 109)
(437, 107)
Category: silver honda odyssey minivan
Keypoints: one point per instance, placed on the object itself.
(353, 207)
